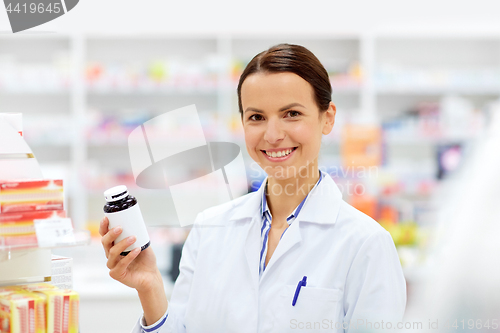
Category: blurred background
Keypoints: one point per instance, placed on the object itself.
(416, 85)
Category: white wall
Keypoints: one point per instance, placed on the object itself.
(264, 16)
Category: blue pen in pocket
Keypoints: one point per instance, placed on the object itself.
(302, 283)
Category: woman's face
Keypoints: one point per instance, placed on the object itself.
(282, 123)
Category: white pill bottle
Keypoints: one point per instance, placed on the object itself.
(123, 210)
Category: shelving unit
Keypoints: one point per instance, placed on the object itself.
(32, 213)
(381, 58)
(79, 237)
(114, 83)
(23, 263)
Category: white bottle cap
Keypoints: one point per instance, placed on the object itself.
(116, 193)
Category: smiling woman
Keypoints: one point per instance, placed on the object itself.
(293, 252)
(284, 97)
(283, 125)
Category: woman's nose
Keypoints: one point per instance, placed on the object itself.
(274, 132)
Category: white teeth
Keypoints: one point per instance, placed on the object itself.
(280, 153)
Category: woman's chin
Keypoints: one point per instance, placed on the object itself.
(281, 173)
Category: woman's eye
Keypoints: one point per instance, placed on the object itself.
(293, 114)
(255, 117)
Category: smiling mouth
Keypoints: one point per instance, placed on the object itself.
(281, 153)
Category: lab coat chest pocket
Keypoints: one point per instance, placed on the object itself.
(314, 310)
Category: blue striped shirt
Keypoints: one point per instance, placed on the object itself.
(267, 218)
(154, 328)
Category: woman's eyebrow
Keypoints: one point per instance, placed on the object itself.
(286, 107)
(291, 106)
(254, 110)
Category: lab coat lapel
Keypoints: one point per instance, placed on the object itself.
(322, 206)
(252, 249)
(249, 214)
(290, 239)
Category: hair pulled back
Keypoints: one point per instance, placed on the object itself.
(294, 59)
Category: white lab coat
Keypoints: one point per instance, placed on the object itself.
(353, 271)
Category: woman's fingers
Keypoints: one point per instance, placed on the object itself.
(120, 269)
(116, 263)
(103, 226)
(108, 239)
(114, 252)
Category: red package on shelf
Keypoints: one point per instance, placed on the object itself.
(22, 223)
(18, 242)
(31, 195)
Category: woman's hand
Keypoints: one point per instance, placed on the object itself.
(138, 269)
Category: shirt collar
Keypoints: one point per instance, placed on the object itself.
(265, 208)
(322, 207)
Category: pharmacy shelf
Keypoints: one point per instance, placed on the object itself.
(14, 243)
(23, 261)
(87, 156)
(416, 140)
(345, 90)
(408, 50)
(23, 91)
(147, 91)
(429, 90)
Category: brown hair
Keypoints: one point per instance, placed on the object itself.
(294, 59)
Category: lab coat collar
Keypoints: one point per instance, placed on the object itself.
(296, 211)
(322, 204)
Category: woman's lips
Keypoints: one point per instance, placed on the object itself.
(279, 159)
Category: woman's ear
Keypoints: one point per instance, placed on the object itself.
(329, 118)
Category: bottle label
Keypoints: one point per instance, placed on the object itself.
(132, 224)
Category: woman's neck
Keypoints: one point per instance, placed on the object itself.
(284, 195)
